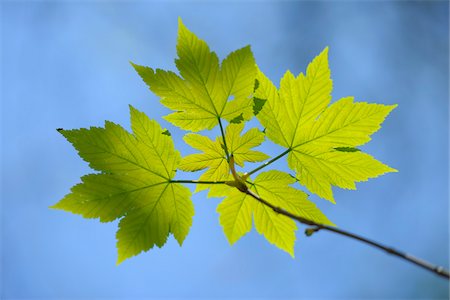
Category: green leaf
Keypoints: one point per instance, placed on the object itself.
(347, 149)
(205, 91)
(258, 105)
(166, 132)
(297, 116)
(238, 119)
(134, 184)
(135, 175)
(213, 155)
(237, 209)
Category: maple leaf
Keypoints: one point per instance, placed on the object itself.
(318, 136)
(237, 209)
(135, 184)
(213, 156)
(201, 96)
(135, 181)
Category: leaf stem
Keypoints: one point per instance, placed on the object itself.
(438, 270)
(224, 140)
(268, 162)
(197, 181)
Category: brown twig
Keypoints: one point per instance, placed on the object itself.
(438, 270)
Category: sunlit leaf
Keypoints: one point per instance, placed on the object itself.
(237, 209)
(319, 137)
(205, 91)
(134, 184)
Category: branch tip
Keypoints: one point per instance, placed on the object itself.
(311, 230)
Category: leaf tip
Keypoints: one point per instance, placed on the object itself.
(136, 67)
(181, 26)
(132, 109)
(292, 253)
(120, 260)
(392, 107)
(122, 252)
(54, 206)
(392, 170)
(180, 239)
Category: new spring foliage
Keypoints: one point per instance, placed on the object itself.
(135, 179)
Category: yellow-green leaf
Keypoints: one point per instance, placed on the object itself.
(205, 91)
(213, 155)
(135, 184)
(320, 169)
(237, 209)
(297, 116)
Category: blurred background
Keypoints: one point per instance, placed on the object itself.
(66, 64)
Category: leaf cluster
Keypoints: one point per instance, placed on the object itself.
(135, 180)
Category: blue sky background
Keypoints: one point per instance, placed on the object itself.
(65, 64)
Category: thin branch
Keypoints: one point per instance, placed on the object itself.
(267, 163)
(438, 270)
(198, 181)
(224, 140)
(239, 183)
